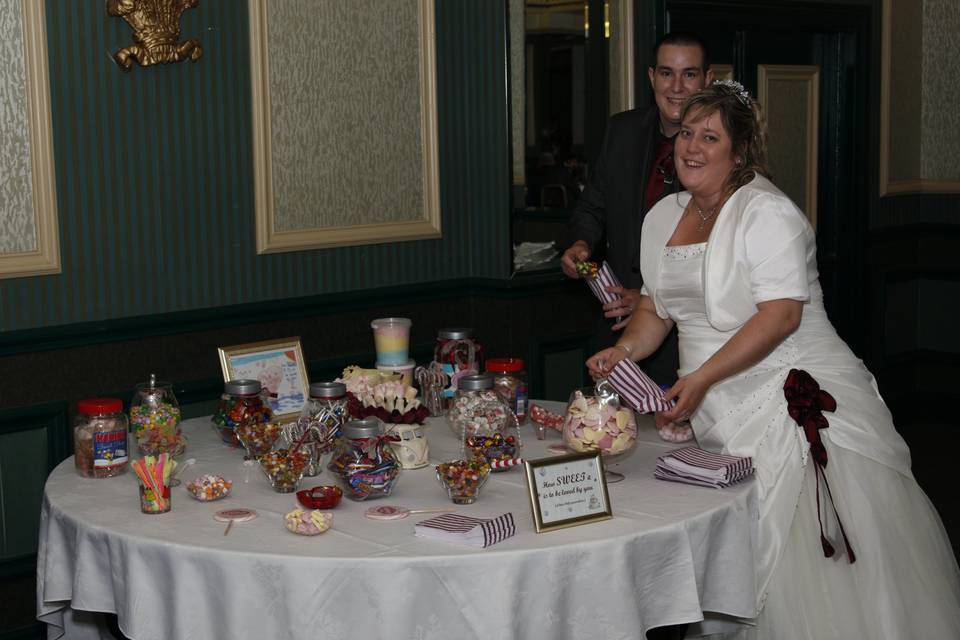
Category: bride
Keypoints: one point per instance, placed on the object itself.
(848, 546)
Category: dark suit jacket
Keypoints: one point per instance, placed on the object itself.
(610, 211)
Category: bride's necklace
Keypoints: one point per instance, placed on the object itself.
(704, 217)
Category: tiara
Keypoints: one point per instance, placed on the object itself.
(735, 88)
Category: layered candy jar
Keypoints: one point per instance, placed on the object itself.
(363, 462)
(242, 402)
(485, 425)
(155, 419)
(100, 438)
(457, 353)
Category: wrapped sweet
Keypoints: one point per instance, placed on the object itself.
(363, 462)
(477, 408)
(307, 522)
(492, 449)
(598, 422)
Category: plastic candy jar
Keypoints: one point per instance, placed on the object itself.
(510, 381)
(243, 401)
(100, 439)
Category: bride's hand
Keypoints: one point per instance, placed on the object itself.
(601, 363)
(688, 392)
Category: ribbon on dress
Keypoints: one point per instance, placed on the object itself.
(806, 402)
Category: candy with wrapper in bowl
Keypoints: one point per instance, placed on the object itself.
(363, 462)
(595, 421)
(463, 479)
(492, 449)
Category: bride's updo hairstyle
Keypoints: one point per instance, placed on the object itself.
(744, 122)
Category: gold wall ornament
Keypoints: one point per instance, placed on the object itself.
(156, 31)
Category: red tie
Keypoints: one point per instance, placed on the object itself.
(661, 168)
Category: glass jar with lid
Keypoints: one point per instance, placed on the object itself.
(485, 425)
(155, 419)
(510, 381)
(457, 352)
(243, 402)
(100, 438)
(363, 462)
(320, 422)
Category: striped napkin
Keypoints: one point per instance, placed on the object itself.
(636, 389)
(693, 465)
(604, 278)
(460, 529)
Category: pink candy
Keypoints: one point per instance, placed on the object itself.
(590, 426)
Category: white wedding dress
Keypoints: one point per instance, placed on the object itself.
(904, 583)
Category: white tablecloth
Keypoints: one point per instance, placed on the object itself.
(671, 553)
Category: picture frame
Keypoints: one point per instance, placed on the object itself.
(567, 491)
(280, 368)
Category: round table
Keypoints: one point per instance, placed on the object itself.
(670, 554)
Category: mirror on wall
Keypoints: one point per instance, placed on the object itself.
(571, 66)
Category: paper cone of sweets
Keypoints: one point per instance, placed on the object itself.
(598, 278)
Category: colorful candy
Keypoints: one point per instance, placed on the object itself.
(463, 478)
(156, 428)
(591, 425)
(493, 448)
(206, 488)
(284, 468)
(365, 468)
(588, 270)
(257, 437)
(236, 410)
(479, 412)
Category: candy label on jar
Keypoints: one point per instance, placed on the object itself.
(109, 449)
(520, 407)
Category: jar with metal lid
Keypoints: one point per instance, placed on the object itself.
(457, 352)
(510, 381)
(100, 438)
(363, 463)
(320, 422)
(485, 425)
(155, 419)
(243, 402)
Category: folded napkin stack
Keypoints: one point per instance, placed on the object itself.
(693, 465)
(473, 532)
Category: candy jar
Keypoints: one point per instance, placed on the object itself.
(100, 438)
(510, 381)
(363, 462)
(462, 479)
(478, 412)
(155, 419)
(284, 468)
(595, 421)
(457, 353)
(242, 402)
(320, 422)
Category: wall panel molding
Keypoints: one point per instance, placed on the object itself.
(38, 225)
(357, 187)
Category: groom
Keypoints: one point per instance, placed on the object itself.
(633, 171)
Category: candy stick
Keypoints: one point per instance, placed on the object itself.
(505, 464)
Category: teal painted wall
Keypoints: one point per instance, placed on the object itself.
(154, 175)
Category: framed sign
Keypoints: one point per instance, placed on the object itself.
(568, 490)
(279, 367)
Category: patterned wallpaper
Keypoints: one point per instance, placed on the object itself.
(906, 99)
(940, 90)
(17, 231)
(345, 85)
(154, 175)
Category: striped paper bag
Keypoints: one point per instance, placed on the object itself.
(636, 389)
(460, 529)
(598, 279)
